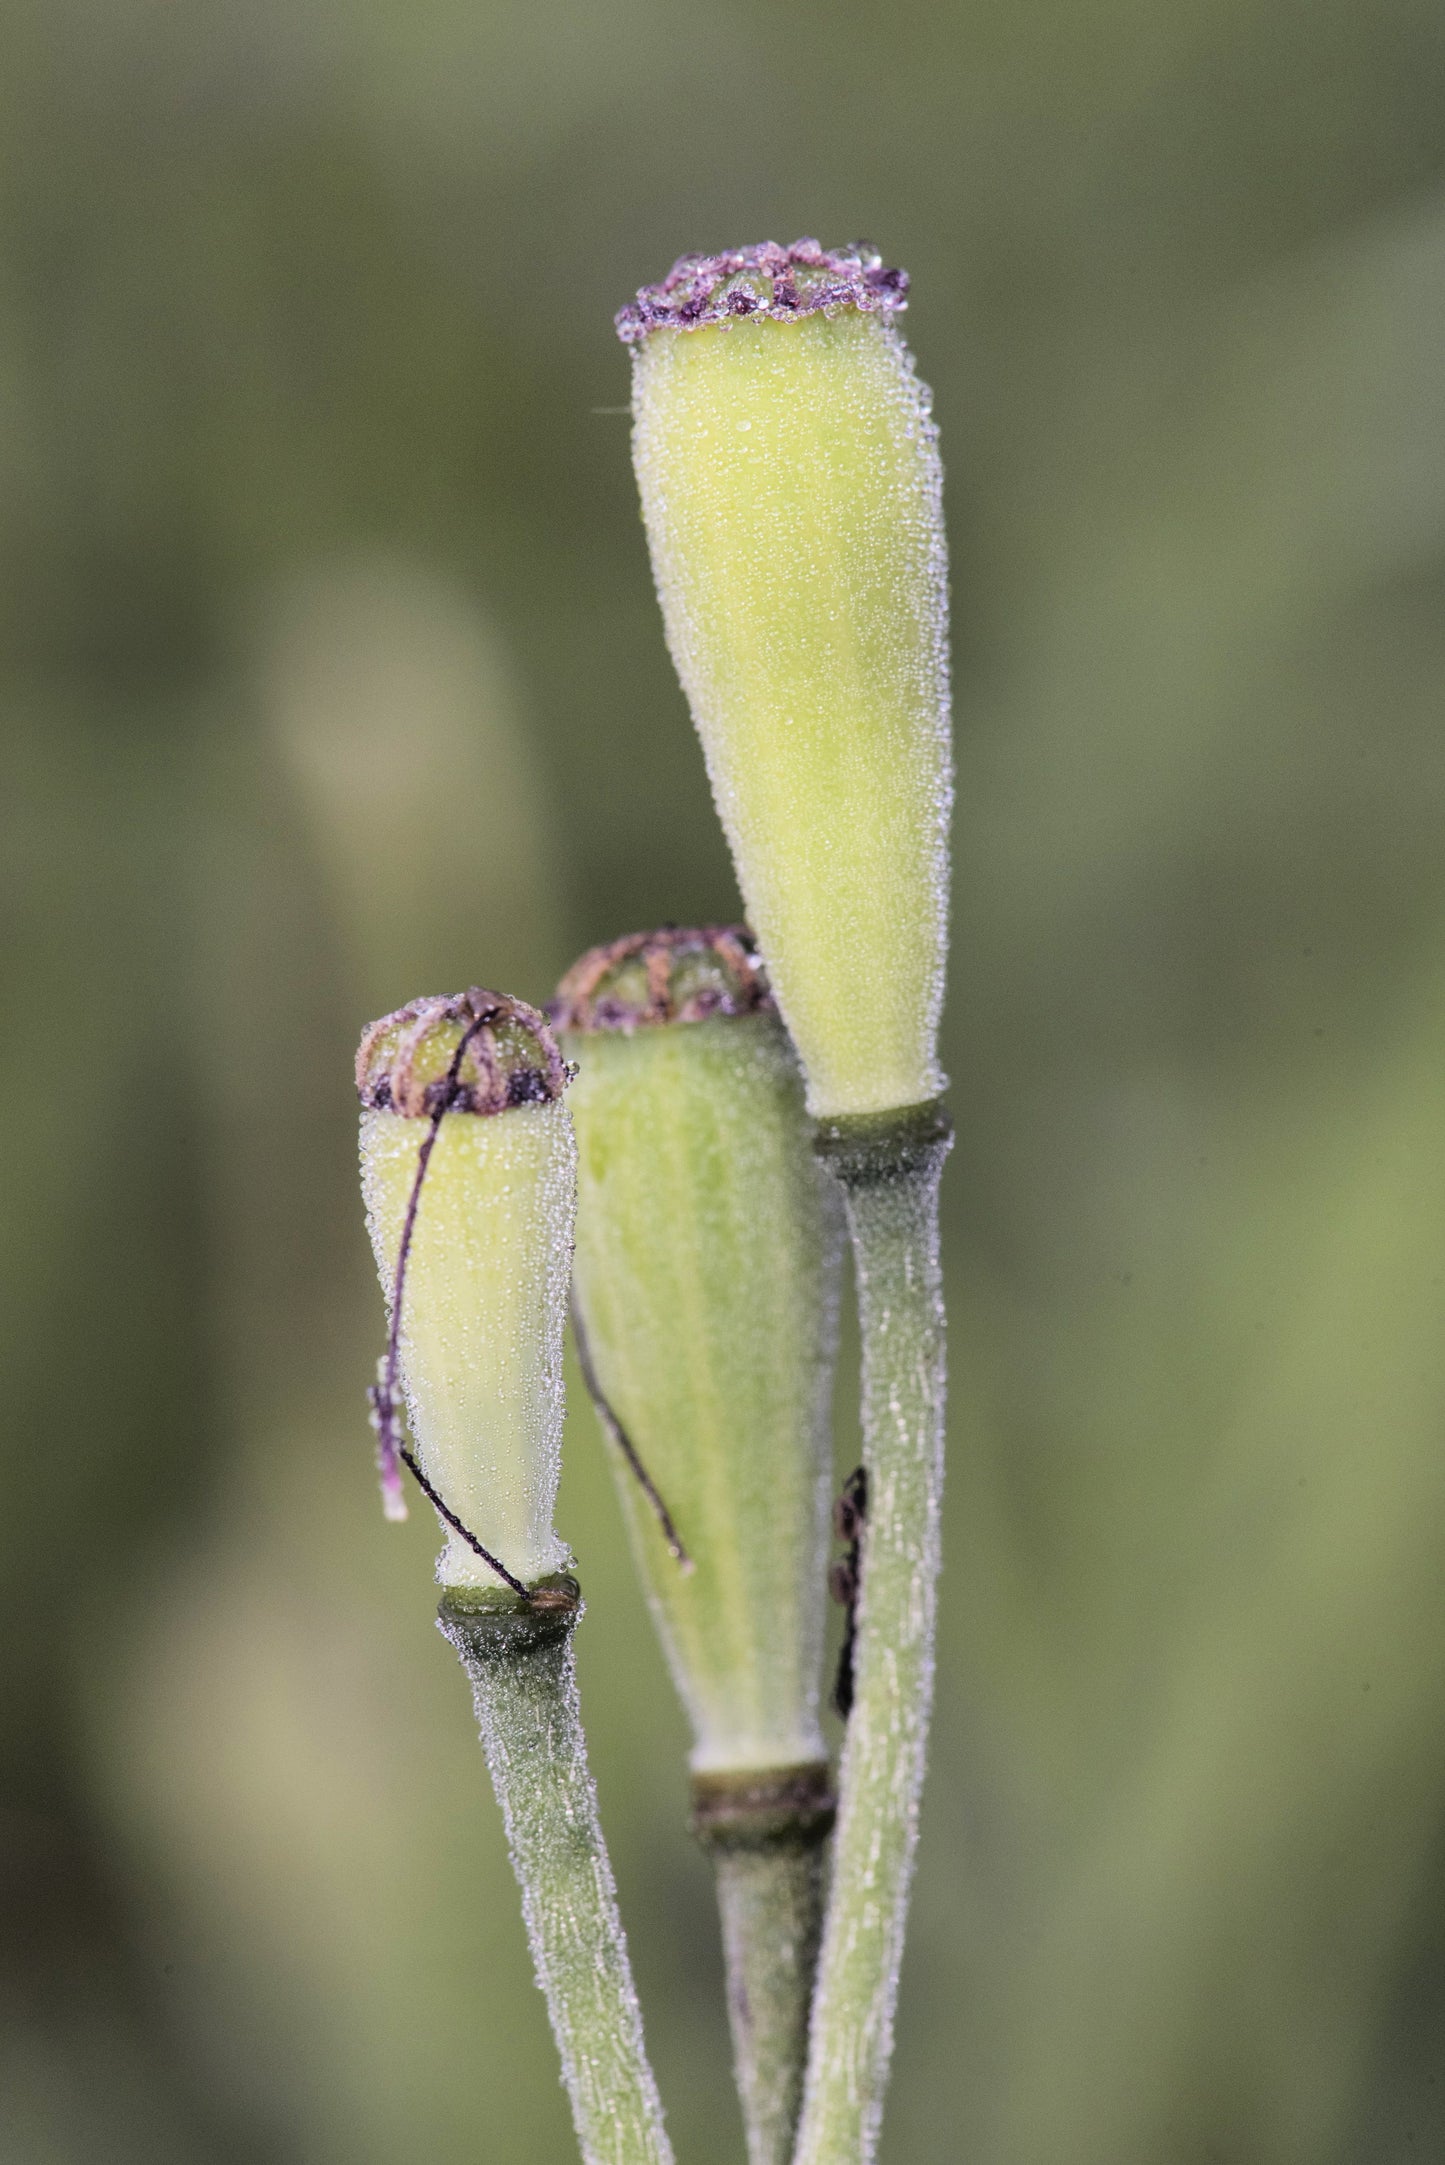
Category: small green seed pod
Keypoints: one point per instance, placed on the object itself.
(706, 1275)
(791, 487)
(468, 1169)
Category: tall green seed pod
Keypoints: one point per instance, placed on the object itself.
(468, 1166)
(707, 1261)
(791, 487)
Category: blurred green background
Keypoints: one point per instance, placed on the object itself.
(332, 674)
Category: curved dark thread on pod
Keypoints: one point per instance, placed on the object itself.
(625, 1444)
(383, 1395)
(444, 1511)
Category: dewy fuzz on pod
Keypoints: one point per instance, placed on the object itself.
(708, 1251)
(467, 1093)
(791, 487)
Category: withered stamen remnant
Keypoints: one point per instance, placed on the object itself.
(444, 1511)
(625, 1444)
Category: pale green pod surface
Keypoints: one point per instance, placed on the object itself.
(484, 1299)
(706, 1278)
(791, 487)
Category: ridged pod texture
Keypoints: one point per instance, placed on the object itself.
(483, 1315)
(708, 1248)
(791, 489)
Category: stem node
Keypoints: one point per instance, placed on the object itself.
(766, 1832)
(520, 1661)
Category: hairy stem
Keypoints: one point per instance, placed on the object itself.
(520, 1662)
(767, 1834)
(889, 1167)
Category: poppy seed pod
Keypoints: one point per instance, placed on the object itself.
(706, 1280)
(468, 1169)
(791, 487)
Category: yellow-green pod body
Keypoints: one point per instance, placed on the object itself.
(706, 1278)
(484, 1293)
(791, 487)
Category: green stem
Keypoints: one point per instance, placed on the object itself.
(889, 1167)
(767, 1833)
(520, 1661)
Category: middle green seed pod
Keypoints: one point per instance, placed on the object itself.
(708, 1250)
